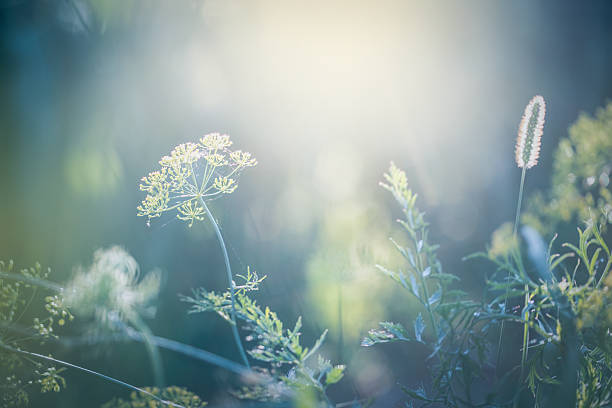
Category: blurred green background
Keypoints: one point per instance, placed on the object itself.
(324, 94)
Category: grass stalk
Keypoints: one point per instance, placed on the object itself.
(152, 349)
(230, 278)
(514, 236)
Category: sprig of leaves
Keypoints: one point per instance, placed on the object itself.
(288, 362)
(458, 326)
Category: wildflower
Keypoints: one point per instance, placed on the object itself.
(192, 174)
(110, 287)
(530, 133)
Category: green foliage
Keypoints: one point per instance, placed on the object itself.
(192, 174)
(177, 395)
(581, 176)
(16, 298)
(289, 371)
(566, 314)
(457, 326)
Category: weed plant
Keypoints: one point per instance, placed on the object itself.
(558, 296)
(560, 301)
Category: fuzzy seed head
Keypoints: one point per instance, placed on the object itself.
(530, 133)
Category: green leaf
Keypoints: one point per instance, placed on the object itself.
(419, 327)
(334, 375)
(388, 332)
(435, 297)
(418, 394)
(317, 345)
(446, 277)
(415, 286)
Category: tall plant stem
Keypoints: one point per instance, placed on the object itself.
(340, 324)
(152, 350)
(526, 324)
(421, 266)
(520, 201)
(525, 333)
(230, 278)
(514, 236)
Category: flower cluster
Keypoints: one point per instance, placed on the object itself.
(192, 174)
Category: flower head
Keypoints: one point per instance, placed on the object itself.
(111, 288)
(192, 174)
(530, 133)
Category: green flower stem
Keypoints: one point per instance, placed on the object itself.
(520, 201)
(525, 335)
(526, 324)
(434, 327)
(152, 349)
(514, 236)
(228, 268)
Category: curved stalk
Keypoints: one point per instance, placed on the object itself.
(152, 350)
(231, 283)
(106, 377)
(131, 334)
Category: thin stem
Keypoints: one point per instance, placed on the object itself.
(514, 231)
(525, 336)
(231, 283)
(106, 377)
(128, 333)
(526, 324)
(520, 201)
(152, 350)
(340, 325)
(421, 268)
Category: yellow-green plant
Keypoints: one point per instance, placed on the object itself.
(190, 176)
(457, 336)
(17, 373)
(290, 371)
(108, 290)
(566, 347)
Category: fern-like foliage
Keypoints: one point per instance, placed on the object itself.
(16, 296)
(456, 337)
(567, 315)
(287, 364)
